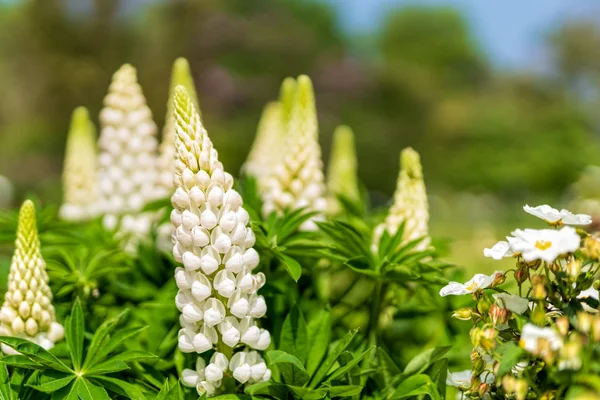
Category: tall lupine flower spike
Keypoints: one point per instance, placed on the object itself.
(269, 139)
(80, 183)
(127, 171)
(342, 179)
(180, 75)
(217, 294)
(410, 204)
(27, 311)
(297, 181)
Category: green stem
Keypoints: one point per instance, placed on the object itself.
(373, 328)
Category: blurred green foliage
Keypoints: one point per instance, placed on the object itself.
(424, 82)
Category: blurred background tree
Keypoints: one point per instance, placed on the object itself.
(489, 138)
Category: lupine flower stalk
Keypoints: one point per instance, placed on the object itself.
(270, 139)
(27, 311)
(217, 293)
(80, 183)
(297, 181)
(342, 179)
(180, 75)
(410, 204)
(127, 171)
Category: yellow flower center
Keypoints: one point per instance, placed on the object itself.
(472, 286)
(543, 244)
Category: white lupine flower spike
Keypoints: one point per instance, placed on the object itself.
(342, 178)
(27, 311)
(80, 184)
(217, 287)
(297, 181)
(127, 171)
(410, 204)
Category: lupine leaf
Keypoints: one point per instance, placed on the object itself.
(416, 385)
(291, 367)
(74, 330)
(121, 387)
(293, 338)
(319, 336)
(52, 381)
(88, 391)
(35, 353)
(101, 338)
(6, 392)
(292, 266)
(422, 361)
(339, 348)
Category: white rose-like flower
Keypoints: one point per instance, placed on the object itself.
(462, 379)
(588, 293)
(545, 244)
(410, 205)
(531, 336)
(512, 302)
(127, 160)
(297, 181)
(213, 241)
(80, 184)
(27, 311)
(501, 250)
(478, 282)
(556, 217)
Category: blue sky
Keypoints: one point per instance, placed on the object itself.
(511, 31)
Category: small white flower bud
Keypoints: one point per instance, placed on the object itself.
(197, 196)
(180, 199)
(230, 333)
(242, 216)
(258, 307)
(251, 336)
(218, 176)
(24, 309)
(201, 288)
(233, 199)
(202, 179)
(191, 312)
(264, 341)
(228, 221)
(242, 373)
(31, 327)
(238, 236)
(266, 376)
(185, 343)
(200, 237)
(250, 238)
(208, 264)
(251, 258)
(188, 178)
(224, 282)
(221, 241)
(234, 261)
(177, 253)
(213, 373)
(258, 371)
(206, 387)
(183, 237)
(183, 278)
(215, 196)
(189, 220)
(56, 332)
(36, 311)
(181, 299)
(18, 326)
(192, 262)
(189, 377)
(238, 304)
(208, 219)
(214, 312)
(200, 344)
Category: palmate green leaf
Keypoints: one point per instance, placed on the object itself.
(35, 353)
(51, 381)
(511, 354)
(339, 372)
(74, 330)
(416, 385)
(21, 362)
(339, 347)
(88, 391)
(118, 362)
(292, 266)
(101, 339)
(292, 370)
(119, 386)
(294, 335)
(438, 373)
(389, 244)
(69, 392)
(274, 389)
(6, 392)
(319, 336)
(170, 390)
(345, 391)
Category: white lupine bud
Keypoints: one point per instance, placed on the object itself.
(214, 312)
(410, 205)
(230, 331)
(267, 376)
(224, 282)
(264, 340)
(27, 311)
(296, 179)
(242, 373)
(213, 373)
(128, 138)
(80, 185)
(214, 243)
(201, 287)
(189, 377)
(192, 313)
(184, 342)
(183, 278)
(251, 258)
(192, 262)
(258, 307)
(177, 254)
(221, 241)
(200, 237)
(238, 304)
(189, 220)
